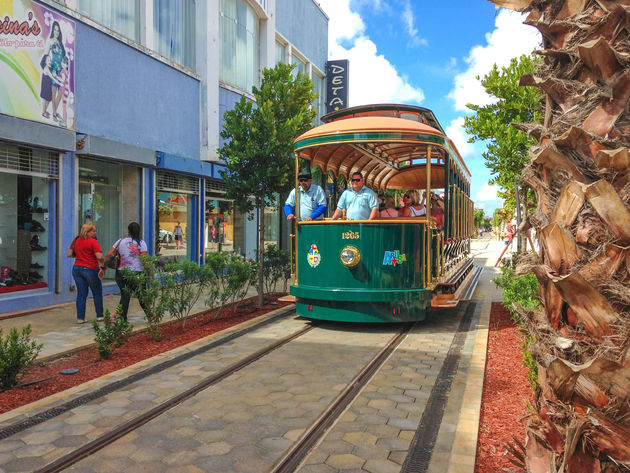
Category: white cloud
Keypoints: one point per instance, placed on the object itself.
(486, 198)
(373, 79)
(510, 38)
(412, 31)
(455, 131)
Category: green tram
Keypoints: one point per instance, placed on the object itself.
(385, 270)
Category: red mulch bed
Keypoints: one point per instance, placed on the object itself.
(506, 391)
(139, 347)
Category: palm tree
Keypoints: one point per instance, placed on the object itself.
(579, 170)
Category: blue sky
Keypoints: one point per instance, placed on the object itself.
(428, 53)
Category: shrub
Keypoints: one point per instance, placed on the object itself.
(148, 290)
(17, 354)
(521, 291)
(113, 333)
(182, 285)
(232, 276)
(277, 268)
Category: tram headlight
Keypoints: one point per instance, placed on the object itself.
(350, 256)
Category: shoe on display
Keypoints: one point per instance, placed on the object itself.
(36, 226)
(38, 247)
(35, 274)
(36, 266)
(34, 240)
(37, 206)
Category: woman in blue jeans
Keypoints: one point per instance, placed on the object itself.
(130, 249)
(87, 272)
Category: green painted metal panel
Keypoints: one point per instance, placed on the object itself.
(362, 312)
(391, 256)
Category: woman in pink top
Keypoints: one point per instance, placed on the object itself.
(390, 208)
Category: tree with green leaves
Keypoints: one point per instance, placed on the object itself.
(507, 146)
(258, 149)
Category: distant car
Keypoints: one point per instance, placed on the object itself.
(165, 236)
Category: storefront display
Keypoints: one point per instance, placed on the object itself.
(26, 232)
(220, 226)
(175, 206)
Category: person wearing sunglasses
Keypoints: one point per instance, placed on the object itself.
(312, 199)
(412, 205)
(359, 202)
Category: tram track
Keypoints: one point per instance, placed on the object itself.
(138, 421)
(303, 446)
(48, 414)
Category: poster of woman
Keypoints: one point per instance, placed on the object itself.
(37, 63)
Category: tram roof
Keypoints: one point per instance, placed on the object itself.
(390, 152)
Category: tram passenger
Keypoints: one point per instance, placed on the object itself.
(437, 209)
(413, 207)
(389, 210)
(360, 203)
(312, 199)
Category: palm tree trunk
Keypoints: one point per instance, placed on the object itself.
(580, 171)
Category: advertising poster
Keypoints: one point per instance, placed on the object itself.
(36, 63)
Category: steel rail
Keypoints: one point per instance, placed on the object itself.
(294, 457)
(106, 439)
(36, 419)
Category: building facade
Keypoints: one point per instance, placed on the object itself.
(110, 112)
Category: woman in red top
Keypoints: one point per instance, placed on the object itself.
(87, 272)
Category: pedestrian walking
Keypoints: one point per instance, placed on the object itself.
(87, 272)
(130, 249)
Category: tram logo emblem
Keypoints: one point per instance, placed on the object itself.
(314, 258)
(392, 258)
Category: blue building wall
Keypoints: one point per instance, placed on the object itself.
(127, 96)
(303, 24)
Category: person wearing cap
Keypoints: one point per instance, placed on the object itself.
(359, 202)
(312, 199)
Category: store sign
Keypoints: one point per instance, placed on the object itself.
(36, 63)
(336, 85)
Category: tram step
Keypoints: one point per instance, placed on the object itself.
(463, 293)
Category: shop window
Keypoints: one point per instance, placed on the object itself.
(174, 219)
(26, 233)
(239, 44)
(223, 231)
(300, 66)
(100, 201)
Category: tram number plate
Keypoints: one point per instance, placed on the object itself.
(350, 236)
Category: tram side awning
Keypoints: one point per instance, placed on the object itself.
(390, 152)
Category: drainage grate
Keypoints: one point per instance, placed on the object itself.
(421, 449)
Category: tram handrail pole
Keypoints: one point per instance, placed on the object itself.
(297, 212)
(428, 206)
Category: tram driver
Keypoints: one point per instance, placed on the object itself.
(312, 199)
(360, 202)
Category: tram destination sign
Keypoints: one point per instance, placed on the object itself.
(336, 85)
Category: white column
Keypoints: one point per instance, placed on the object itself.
(268, 37)
(146, 24)
(208, 68)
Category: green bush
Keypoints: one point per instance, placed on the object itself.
(113, 333)
(182, 285)
(233, 275)
(148, 290)
(17, 354)
(520, 291)
(276, 268)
